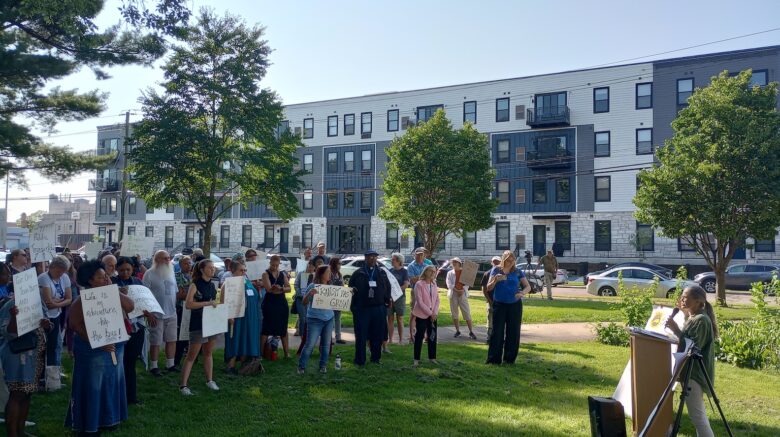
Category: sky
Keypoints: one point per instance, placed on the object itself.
(331, 49)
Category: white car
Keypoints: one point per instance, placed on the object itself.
(561, 277)
(606, 283)
(284, 263)
(351, 264)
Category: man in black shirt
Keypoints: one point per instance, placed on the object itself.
(371, 297)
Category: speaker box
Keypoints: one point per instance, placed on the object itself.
(606, 417)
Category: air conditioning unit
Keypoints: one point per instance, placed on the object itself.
(520, 112)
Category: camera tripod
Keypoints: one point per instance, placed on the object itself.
(693, 356)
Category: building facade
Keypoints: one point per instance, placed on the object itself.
(567, 148)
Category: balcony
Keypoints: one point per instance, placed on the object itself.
(100, 151)
(548, 116)
(103, 184)
(549, 153)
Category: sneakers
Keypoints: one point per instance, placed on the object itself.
(185, 391)
(457, 334)
(472, 336)
(434, 361)
(301, 371)
(173, 369)
(323, 370)
(386, 351)
(155, 372)
(416, 363)
(340, 341)
(212, 385)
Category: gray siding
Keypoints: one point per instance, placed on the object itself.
(585, 183)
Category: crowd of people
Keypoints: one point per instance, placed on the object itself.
(104, 379)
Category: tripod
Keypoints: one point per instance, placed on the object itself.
(693, 356)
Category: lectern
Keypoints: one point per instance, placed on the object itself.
(651, 371)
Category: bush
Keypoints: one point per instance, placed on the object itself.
(612, 333)
(635, 305)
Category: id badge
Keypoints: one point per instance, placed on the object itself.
(372, 283)
(370, 293)
(249, 292)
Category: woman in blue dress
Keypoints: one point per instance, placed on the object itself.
(243, 340)
(97, 399)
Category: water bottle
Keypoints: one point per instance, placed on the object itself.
(338, 362)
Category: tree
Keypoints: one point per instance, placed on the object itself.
(439, 180)
(48, 40)
(211, 140)
(718, 176)
(30, 221)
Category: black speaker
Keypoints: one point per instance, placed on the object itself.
(606, 417)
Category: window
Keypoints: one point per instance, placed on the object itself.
(470, 112)
(502, 109)
(365, 200)
(563, 190)
(224, 236)
(644, 141)
(502, 189)
(149, 231)
(103, 205)
(333, 125)
(268, 237)
(102, 232)
(391, 236)
(112, 205)
(169, 209)
(603, 235)
(540, 191)
(519, 154)
(603, 188)
(503, 151)
(602, 144)
(765, 245)
(349, 124)
(307, 236)
(563, 234)
(308, 162)
(684, 246)
(759, 78)
(365, 160)
(644, 95)
(365, 123)
(424, 113)
(349, 200)
(470, 240)
(308, 199)
(131, 230)
(502, 235)
(600, 100)
(149, 209)
(349, 161)
(333, 162)
(520, 195)
(645, 238)
(283, 128)
(246, 235)
(189, 236)
(308, 128)
(333, 200)
(131, 205)
(169, 236)
(392, 120)
(684, 90)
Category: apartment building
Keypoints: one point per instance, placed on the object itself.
(566, 146)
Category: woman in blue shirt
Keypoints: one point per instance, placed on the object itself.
(505, 283)
(319, 322)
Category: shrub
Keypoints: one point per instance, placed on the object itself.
(611, 333)
(636, 306)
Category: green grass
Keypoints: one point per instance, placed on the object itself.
(544, 394)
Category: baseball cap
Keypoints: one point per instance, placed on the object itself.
(496, 258)
(370, 252)
(420, 250)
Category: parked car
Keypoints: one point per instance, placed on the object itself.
(658, 269)
(218, 263)
(561, 276)
(606, 283)
(739, 276)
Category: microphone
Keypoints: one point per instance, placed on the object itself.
(674, 312)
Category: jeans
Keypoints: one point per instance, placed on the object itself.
(370, 325)
(423, 327)
(317, 330)
(697, 410)
(337, 318)
(505, 340)
(133, 350)
(301, 308)
(54, 344)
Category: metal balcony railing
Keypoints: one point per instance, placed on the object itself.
(553, 158)
(103, 184)
(548, 116)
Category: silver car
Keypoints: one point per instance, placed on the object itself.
(739, 276)
(606, 283)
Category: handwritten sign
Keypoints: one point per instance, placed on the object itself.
(331, 297)
(215, 320)
(103, 316)
(28, 301)
(92, 249)
(469, 273)
(184, 331)
(43, 243)
(235, 299)
(144, 301)
(255, 269)
(133, 245)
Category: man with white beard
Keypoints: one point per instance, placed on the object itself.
(161, 280)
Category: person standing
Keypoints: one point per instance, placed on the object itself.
(426, 314)
(371, 298)
(550, 264)
(319, 323)
(505, 283)
(302, 281)
(56, 295)
(496, 261)
(398, 307)
(183, 281)
(161, 280)
(415, 269)
(336, 279)
(17, 261)
(276, 311)
(243, 341)
(321, 252)
(458, 294)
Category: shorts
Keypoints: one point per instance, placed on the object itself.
(398, 307)
(460, 301)
(196, 337)
(164, 332)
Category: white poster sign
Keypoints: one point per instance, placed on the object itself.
(28, 300)
(215, 320)
(133, 245)
(468, 275)
(235, 297)
(144, 300)
(43, 243)
(92, 249)
(255, 269)
(184, 331)
(395, 288)
(332, 297)
(103, 316)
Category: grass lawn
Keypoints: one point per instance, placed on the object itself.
(544, 394)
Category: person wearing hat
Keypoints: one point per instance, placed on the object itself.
(321, 253)
(458, 294)
(496, 261)
(550, 264)
(371, 297)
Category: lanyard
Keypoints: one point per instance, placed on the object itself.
(371, 274)
(58, 291)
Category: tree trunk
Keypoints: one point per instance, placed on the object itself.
(207, 238)
(720, 282)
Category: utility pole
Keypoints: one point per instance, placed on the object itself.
(5, 216)
(123, 195)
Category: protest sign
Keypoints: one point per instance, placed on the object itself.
(144, 300)
(184, 331)
(255, 269)
(215, 320)
(92, 249)
(133, 245)
(468, 275)
(235, 299)
(43, 243)
(103, 316)
(331, 297)
(27, 297)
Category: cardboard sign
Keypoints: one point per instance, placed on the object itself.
(133, 245)
(468, 274)
(144, 300)
(43, 243)
(235, 296)
(27, 298)
(103, 316)
(255, 269)
(184, 331)
(92, 249)
(332, 297)
(215, 320)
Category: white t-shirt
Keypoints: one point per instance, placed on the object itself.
(56, 289)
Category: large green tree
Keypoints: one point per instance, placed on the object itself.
(47, 40)
(211, 139)
(718, 176)
(439, 180)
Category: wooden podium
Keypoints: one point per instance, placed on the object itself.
(651, 371)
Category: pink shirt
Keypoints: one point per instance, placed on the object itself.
(426, 300)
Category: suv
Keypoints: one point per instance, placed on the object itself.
(739, 276)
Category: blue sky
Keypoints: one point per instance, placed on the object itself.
(330, 49)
